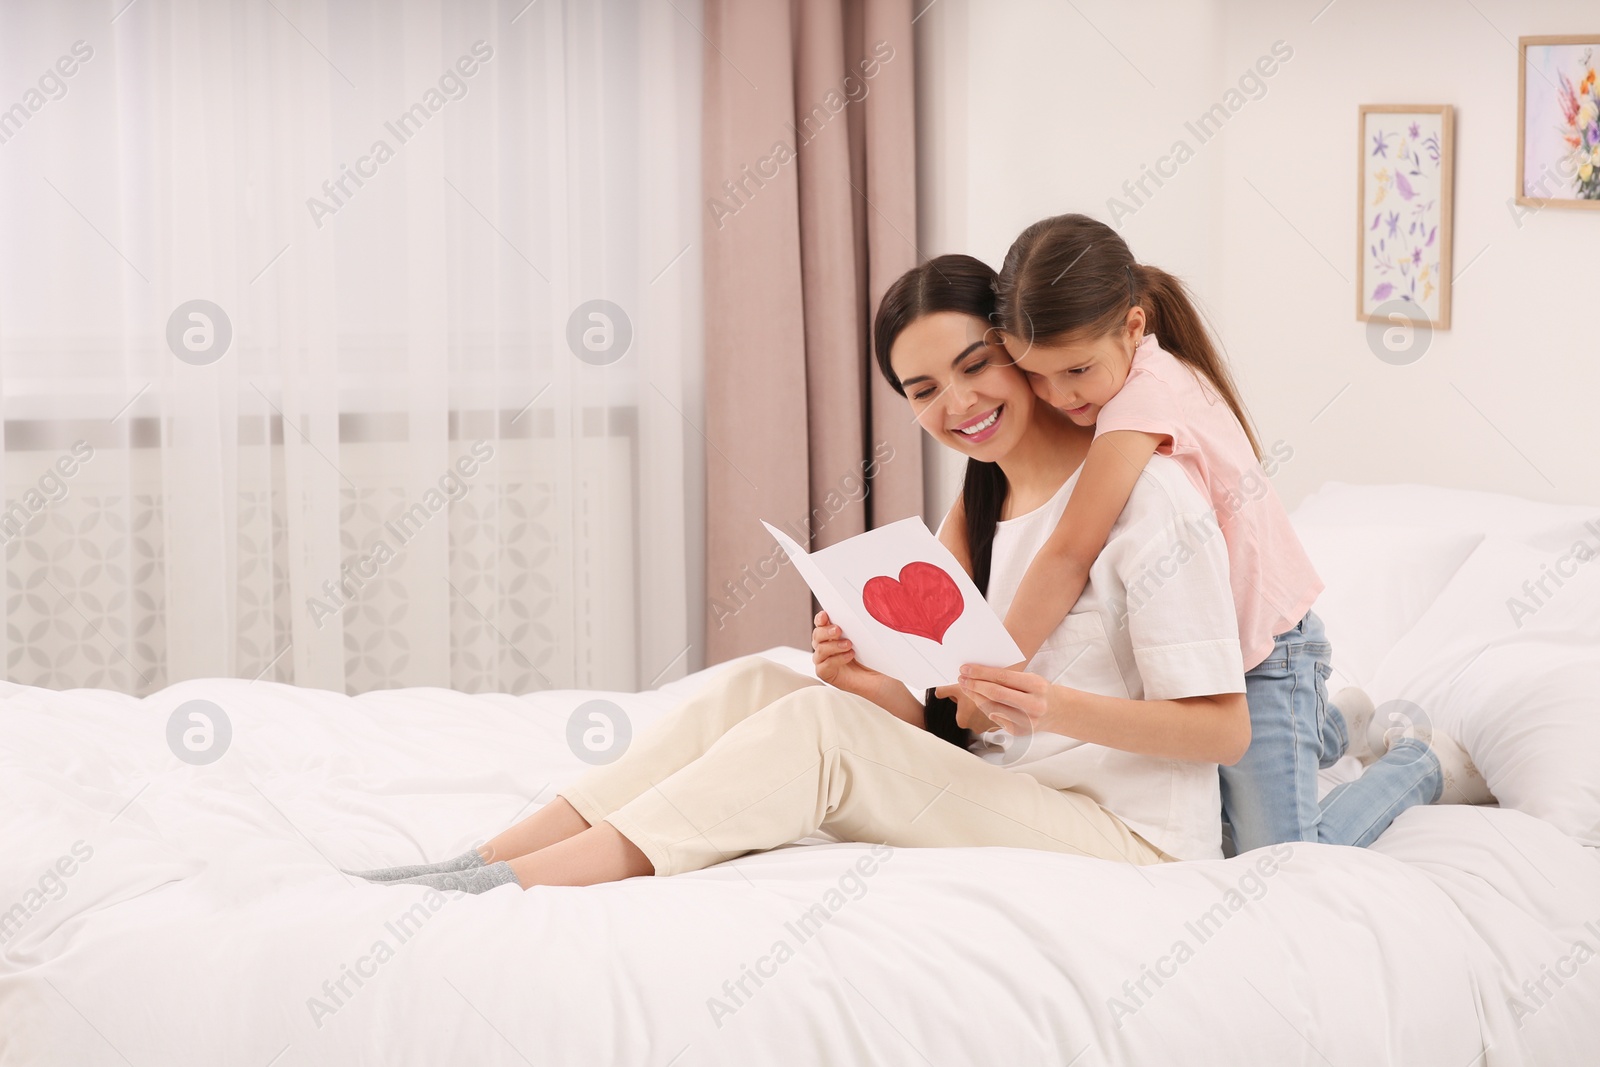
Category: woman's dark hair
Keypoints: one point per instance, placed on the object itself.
(965, 285)
(1071, 276)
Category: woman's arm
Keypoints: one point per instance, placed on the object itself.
(1059, 571)
(900, 702)
(1206, 729)
(834, 658)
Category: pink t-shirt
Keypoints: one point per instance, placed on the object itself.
(1274, 583)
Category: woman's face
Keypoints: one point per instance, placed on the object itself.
(1078, 377)
(963, 390)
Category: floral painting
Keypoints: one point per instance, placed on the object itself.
(1560, 128)
(1406, 176)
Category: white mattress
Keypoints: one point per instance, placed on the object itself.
(211, 913)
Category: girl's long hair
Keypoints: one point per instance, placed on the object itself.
(966, 285)
(1070, 277)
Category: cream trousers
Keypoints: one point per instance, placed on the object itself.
(765, 756)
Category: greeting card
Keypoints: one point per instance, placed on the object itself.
(905, 604)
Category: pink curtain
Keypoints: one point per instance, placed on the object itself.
(810, 185)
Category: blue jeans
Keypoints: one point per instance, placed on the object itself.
(1271, 794)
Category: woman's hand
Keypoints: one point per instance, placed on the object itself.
(968, 714)
(1213, 728)
(1018, 701)
(835, 661)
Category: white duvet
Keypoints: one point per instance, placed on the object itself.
(204, 920)
(157, 913)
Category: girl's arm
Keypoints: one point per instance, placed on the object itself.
(1206, 729)
(1059, 571)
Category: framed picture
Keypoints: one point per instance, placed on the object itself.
(1403, 221)
(1558, 121)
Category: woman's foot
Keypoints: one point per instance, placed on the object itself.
(468, 860)
(474, 880)
(1356, 708)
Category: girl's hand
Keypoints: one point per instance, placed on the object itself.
(835, 661)
(1022, 703)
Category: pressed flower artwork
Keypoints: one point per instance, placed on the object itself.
(1405, 187)
(1558, 140)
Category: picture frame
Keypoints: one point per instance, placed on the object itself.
(1405, 193)
(1558, 121)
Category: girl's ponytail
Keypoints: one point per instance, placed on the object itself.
(1071, 276)
(1170, 314)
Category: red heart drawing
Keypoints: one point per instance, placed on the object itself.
(925, 601)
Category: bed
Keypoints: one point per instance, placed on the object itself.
(167, 913)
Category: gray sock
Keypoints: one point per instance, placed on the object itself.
(466, 861)
(475, 880)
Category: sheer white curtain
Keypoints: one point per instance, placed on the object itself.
(426, 456)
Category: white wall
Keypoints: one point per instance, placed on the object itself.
(1522, 345)
(1026, 110)
(1032, 109)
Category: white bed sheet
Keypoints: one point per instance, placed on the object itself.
(204, 925)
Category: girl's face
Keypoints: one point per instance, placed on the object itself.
(963, 389)
(1078, 377)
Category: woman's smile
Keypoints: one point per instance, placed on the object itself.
(982, 427)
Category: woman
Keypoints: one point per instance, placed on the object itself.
(1118, 761)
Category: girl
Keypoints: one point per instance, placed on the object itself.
(1124, 765)
(1118, 346)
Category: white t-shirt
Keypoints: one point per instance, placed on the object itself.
(1156, 621)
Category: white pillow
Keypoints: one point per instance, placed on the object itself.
(1378, 581)
(1513, 673)
(1547, 526)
